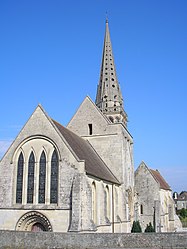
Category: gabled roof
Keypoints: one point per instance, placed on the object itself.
(182, 196)
(88, 104)
(94, 165)
(163, 184)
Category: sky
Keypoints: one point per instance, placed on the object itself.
(50, 54)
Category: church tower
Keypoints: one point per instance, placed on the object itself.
(109, 98)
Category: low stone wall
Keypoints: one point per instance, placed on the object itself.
(48, 240)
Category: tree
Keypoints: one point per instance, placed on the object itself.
(136, 228)
(182, 213)
(149, 228)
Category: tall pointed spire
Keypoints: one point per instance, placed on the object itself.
(109, 98)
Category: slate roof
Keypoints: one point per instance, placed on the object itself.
(163, 184)
(94, 165)
(182, 196)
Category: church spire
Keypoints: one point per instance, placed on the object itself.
(109, 98)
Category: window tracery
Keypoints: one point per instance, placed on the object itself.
(36, 180)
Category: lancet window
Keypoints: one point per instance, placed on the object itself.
(30, 186)
(54, 178)
(42, 178)
(19, 186)
(107, 201)
(37, 173)
(94, 203)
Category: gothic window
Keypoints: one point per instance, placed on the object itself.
(107, 202)
(42, 176)
(94, 203)
(30, 186)
(54, 178)
(19, 186)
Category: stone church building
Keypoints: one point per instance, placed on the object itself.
(78, 178)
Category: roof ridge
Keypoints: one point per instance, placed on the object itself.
(156, 174)
(94, 165)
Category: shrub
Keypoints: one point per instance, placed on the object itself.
(149, 228)
(136, 228)
(182, 213)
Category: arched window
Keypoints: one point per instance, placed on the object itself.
(54, 178)
(19, 186)
(94, 203)
(42, 176)
(30, 186)
(107, 202)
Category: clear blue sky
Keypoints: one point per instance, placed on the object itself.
(50, 53)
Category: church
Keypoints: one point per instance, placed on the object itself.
(81, 178)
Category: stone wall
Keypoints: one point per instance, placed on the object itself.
(48, 240)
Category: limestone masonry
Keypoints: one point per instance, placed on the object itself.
(81, 178)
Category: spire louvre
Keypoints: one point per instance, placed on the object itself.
(109, 98)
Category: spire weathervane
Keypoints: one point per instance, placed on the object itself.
(106, 16)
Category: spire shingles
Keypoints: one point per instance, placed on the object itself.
(109, 98)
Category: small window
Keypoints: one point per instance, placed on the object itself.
(141, 209)
(112, 79)
(90, 129)
(111, 119)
